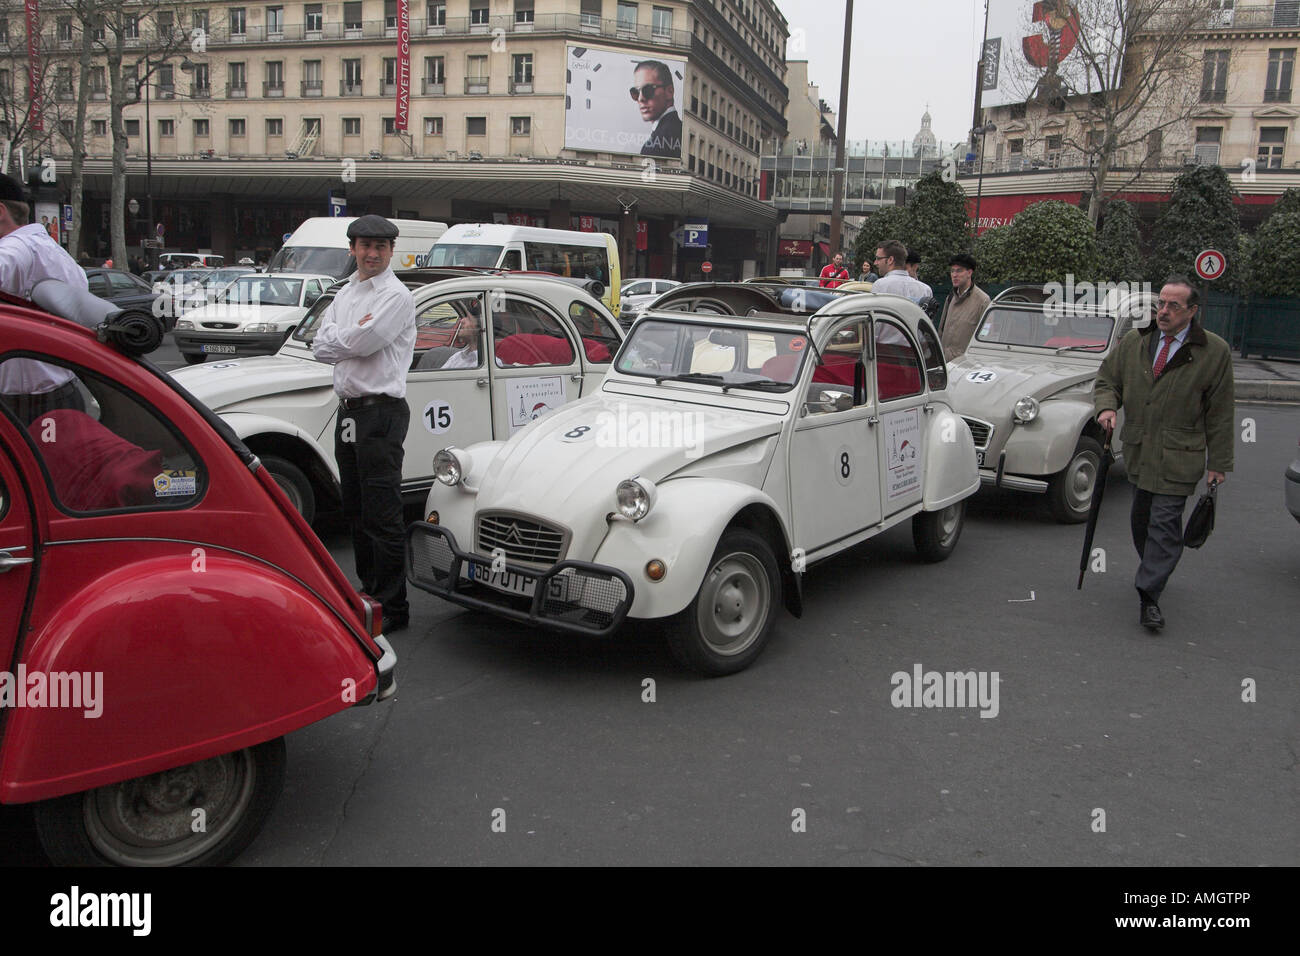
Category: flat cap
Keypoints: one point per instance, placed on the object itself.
(372, 227)
(11, 189)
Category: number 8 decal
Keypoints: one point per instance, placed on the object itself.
(844, 465)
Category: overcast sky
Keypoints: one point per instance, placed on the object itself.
(906, 53)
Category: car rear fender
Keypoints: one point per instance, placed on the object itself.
(188, 664)
(683, 530)
(951, 473)
(1046, 445)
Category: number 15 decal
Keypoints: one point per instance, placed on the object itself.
(437, 416)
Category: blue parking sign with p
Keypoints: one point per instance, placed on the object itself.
(695, 235)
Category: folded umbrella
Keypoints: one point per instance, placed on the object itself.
(1094, 509)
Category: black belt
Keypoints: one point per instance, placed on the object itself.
(349, 404)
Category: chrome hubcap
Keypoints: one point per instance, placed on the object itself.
(1079, 481)
(735, 600)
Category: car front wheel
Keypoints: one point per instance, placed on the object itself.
(193, 358)
(201, 814)
(727, 626)
(1069, 494)
(294, 483)
(935, 533)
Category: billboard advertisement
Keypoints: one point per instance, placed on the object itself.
(617, 102)
(1034, 48)
(48, 215)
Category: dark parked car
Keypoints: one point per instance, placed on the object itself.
(124, 290)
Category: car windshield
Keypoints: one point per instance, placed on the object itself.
(472, 256)
(263, 290)
(1046, 328)
(330, 261)
(718, 354)
(220, 277)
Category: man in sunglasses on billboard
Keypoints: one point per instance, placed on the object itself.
(652, 89)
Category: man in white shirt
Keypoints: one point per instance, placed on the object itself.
(368, 334)
(27, 256)
(891, 263)
(466, 341)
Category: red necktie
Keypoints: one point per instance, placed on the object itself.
(1163, 357)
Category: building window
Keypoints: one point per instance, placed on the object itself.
(199, 20)
(131, 27)
(274, 85)
(238, 22)
(523, 68)
(521, 126)
(236, 79)
(1155, 143)
(1272, 144)
(1208, 139)
(1214, 77)
(436, 13)
(390, 14)
(132, 127)
(166, 127)
(275, 21)
(661, 21)
(200, 88)
(64, 27)
(590, 13)
(352, 78)
(313, 18)
(352, 126)
(275, 127)
(626, 15)
(63, 83)
(99, 127)
(312, 84)
(433, 126)
(390, 125)
(390, 74)
(4, 31)
(1281, 67)
(435, 71)
(475, 125)
(201, 129)
(1286, 13)
(478, 15)
(238, 127)
(523, 11)
(352, 16)
(476, 74)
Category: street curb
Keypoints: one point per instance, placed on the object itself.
(1264, 391)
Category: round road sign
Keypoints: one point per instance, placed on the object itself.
(1210, 264)
(706, 267)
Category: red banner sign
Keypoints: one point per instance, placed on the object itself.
(587, 223)
(794, 248)
(403, 64)
(642, 236)
(37, 121)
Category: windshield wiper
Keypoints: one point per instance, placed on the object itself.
(1080, 348)
(689, 377)
(763, 384)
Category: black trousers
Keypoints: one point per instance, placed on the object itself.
(368, 446)
(28, 408)
(1157, 524)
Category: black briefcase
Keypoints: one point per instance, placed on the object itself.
(1201, 523)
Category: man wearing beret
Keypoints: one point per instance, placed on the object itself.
(1174, 381)
(27, 256)
(368, 334)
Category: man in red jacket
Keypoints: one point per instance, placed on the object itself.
(835, 273)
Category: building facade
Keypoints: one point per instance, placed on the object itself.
(276, 107)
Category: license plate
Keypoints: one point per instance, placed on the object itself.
(979, 457)
(226, 349)
(509, 582)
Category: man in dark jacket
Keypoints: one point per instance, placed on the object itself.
(1174, 381)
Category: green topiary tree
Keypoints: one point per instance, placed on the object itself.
(1200, 215)
(937, 225)
(1240, 277)
(1118, 244)
(1289, 201)
(891, 222)
(993, 255)
(1048, 241)
(1276, 266)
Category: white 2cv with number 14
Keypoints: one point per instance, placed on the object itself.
(721, 455)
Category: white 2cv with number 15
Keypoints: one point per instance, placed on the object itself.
(720, 456)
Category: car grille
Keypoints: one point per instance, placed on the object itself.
(220, 325)
(980, 431)
(521, 538)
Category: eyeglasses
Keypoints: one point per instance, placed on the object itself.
(1170, 305)
(648, 91)
(881, 259)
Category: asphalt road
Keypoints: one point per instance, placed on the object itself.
(552, 736)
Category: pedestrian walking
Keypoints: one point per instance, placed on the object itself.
(1174, 382)
(962, 309)
(368, 334)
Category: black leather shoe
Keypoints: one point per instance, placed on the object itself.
(393, 625)
(1151, 618)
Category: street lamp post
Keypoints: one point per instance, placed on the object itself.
(983, 132)
(148, 154)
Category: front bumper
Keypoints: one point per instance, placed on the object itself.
(572, 596)
(263, 343)
(385, 672)
(998, 478)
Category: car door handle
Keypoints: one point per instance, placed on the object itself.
(576, 377)
(8, 560)
(481, 383)
(873, 421)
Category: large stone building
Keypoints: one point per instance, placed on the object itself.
(284, 104)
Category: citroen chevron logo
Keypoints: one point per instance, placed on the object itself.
(512, 535)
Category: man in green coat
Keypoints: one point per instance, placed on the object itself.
(1174, 381)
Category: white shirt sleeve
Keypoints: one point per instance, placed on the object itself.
(393, 312)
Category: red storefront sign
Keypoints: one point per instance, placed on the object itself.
(403, 64)
(642, 235)
(794, 248)
(586, 223)
(1000, 210)
(34, 98)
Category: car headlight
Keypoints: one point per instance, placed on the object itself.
(183, 324)
(636, 497)
(451, 465)
(1026, 410)
(258, 327)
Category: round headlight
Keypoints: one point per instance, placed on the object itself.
(1026, 410)
(450, 466)
(636, 497)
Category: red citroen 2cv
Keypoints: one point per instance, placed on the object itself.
(166, 616)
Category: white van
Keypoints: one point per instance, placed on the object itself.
(561, 252)
(320, 245)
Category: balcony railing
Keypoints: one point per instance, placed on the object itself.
(313, 87)
(431, 87)
(236, 91)
(570, 23)
(1284, 14)
(351, 88)
(270, 89)
(388, 88)
(477, 84)
(200, 92)
(165, 91)
(521, 86)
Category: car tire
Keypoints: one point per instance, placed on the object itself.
(727, 625)
(192, 358)
(295, 483)
(151, 821)
(1069, 493)
(935, 533)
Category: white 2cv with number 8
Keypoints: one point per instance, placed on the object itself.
(721, 455)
